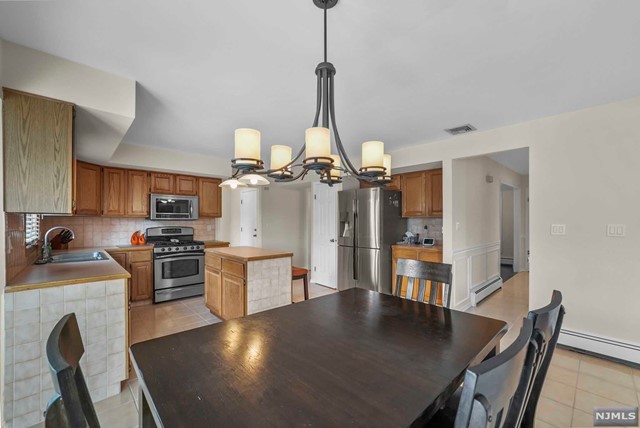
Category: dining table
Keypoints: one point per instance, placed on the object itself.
(354, 358)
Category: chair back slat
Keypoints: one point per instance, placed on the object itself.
(434, 278)
(64, 350)
(547, 323)
(489, 388)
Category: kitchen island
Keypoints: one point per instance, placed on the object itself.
(241, 281)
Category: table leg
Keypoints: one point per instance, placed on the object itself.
(145, 418)
(306, 286)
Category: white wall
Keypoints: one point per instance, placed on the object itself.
(583, 173)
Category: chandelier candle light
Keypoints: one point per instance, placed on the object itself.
(249, 168)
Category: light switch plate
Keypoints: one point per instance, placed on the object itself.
(558, 229)
(616, 230)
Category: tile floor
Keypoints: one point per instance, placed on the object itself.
(575, 384)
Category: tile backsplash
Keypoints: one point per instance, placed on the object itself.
(109, 231)
(434, 224)
(18, 256)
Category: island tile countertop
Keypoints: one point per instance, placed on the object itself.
(247, 254)
(57, 274)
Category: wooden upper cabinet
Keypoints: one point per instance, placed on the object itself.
(38, 154)
(414, 195)
(186, 185)
(210, 196)
(137, 194)
(88, 189)
(396, 183)
(434, 184)
(162, 183)
(114, 192)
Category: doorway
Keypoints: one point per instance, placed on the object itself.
(510, 214)
(324, 242)
(249, 217)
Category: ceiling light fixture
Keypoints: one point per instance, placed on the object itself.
(249, 168)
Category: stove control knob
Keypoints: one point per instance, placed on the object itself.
(193, 248)
(176, 249)
(162, 249)
(185, 248)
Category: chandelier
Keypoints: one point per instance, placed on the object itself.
(248, 167)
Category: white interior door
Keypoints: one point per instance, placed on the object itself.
(324, 236)
(249, 217)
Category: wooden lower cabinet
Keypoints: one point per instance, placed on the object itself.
(139, 263)
(234, 297)
(213, 290)
(225, 287)
(426, 254)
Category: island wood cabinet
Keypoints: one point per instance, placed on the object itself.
(210, 197)
(38, 154)
(225, 287)
(88, 189)
(139, 264)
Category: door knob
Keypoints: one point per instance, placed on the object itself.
(255, 236)
(332, 240)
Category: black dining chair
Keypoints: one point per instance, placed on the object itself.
(422, 278)
(72, 406)
(547, 322)
(487, 397)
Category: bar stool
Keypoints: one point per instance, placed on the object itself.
(303, 274)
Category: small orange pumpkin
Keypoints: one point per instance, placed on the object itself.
(141, 239)
(135, 238)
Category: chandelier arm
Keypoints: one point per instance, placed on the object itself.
(343, 155)
(319, 102)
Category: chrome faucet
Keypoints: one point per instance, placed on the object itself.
(46, 244)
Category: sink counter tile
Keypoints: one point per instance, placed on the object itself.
(59, 274)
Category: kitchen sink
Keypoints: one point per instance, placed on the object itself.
(78, 257)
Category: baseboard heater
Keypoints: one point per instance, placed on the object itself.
(601, 346)
(483, 290)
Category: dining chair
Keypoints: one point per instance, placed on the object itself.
(72, 407)
(486, 398)
(422, 278)
(547, 322)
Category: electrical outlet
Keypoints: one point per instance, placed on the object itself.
(616, 230)
(209, 228)
(558, 229)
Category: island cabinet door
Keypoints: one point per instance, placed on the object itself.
(233, 297)
(213, 290)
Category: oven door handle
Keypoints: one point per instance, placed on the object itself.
(170, 257)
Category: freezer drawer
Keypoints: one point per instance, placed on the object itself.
(374, 269)
(345, 268)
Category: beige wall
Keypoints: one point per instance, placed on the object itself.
(506, 226)
(584, 173)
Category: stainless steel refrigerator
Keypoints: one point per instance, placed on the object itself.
(370, 222)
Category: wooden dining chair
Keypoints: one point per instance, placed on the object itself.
(72, 407)
(547, 322)
(486, 398)
(422, 278)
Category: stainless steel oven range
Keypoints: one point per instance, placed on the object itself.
(178, 263)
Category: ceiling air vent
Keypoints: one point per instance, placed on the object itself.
(461, 129)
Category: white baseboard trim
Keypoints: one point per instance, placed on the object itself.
(506, 261)
(463, 306)
(600, 345)
(484, 290)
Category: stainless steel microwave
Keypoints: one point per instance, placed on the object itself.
(173, 207)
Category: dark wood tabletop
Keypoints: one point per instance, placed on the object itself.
(354, 358)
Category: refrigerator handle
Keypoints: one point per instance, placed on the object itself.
(355, 239)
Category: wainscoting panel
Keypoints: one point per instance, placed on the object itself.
(474, 268)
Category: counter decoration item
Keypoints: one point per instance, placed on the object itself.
(135, 238)
(141, 239)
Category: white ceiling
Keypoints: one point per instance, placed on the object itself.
(516, 160)
(405, 70)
